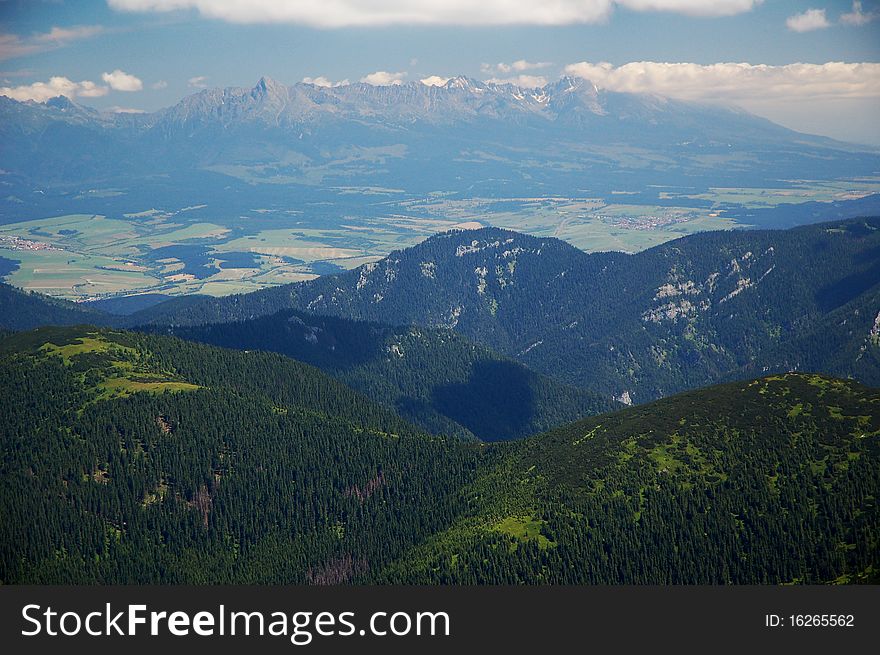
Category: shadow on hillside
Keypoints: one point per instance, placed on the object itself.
(849, 288)
(496, 403)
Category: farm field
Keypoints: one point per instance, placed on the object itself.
(217, 251)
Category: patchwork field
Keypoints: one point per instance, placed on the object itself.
(800, 191)
(216, 250)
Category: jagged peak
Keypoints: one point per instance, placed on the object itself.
(266, 82)
(464, 82)
(269, 86)
(62, 103)
(571, 84)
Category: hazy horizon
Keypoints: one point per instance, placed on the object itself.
(812, 69)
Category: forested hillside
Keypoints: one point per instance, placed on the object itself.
(20, 310)
(134, 459)
(431, 376)
(770, 481)
(700, 310)
(689, 313)
(139, 458)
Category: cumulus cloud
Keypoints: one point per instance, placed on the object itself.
(857, 17)
(502, 73)
(516, 67)
(346, 13)
(122, 81)
(735, 82)
(158, 86)
(706, 8)
(811, 19)
(14, 45)
(56, 86)
(434, 80)
(323, 81)
(523, 81)
(198, 82)
(383, 78)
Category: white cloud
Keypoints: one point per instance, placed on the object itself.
(857, 17)
(158, 86)
(516, 67)
(707, 8)
(736, 82)
(64, 35)
(383, 78)
(323, 81)
(56, 86)
(198, 82)
(345, 13)
(14, 45)
(122, 81)
(523, 81)
(811, 19)
(502, 73)
(434, 80)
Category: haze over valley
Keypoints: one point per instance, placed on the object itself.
(429, 293)
(238, 189)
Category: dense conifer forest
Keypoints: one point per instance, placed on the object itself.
(692, 312)
(431, 376)
(137, 458)
(696, 311)
(774, 481)
(134, 459)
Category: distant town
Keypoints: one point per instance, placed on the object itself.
(17, 243)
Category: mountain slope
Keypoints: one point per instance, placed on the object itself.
(433, 377)
(691, 312)
(20, 310)
(769, 481)
(132, 459)
(430, 376)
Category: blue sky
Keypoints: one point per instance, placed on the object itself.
(137, 54)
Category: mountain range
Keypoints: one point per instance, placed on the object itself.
(442, 332)
(695, 311)
(484, 407)
(567, 137)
